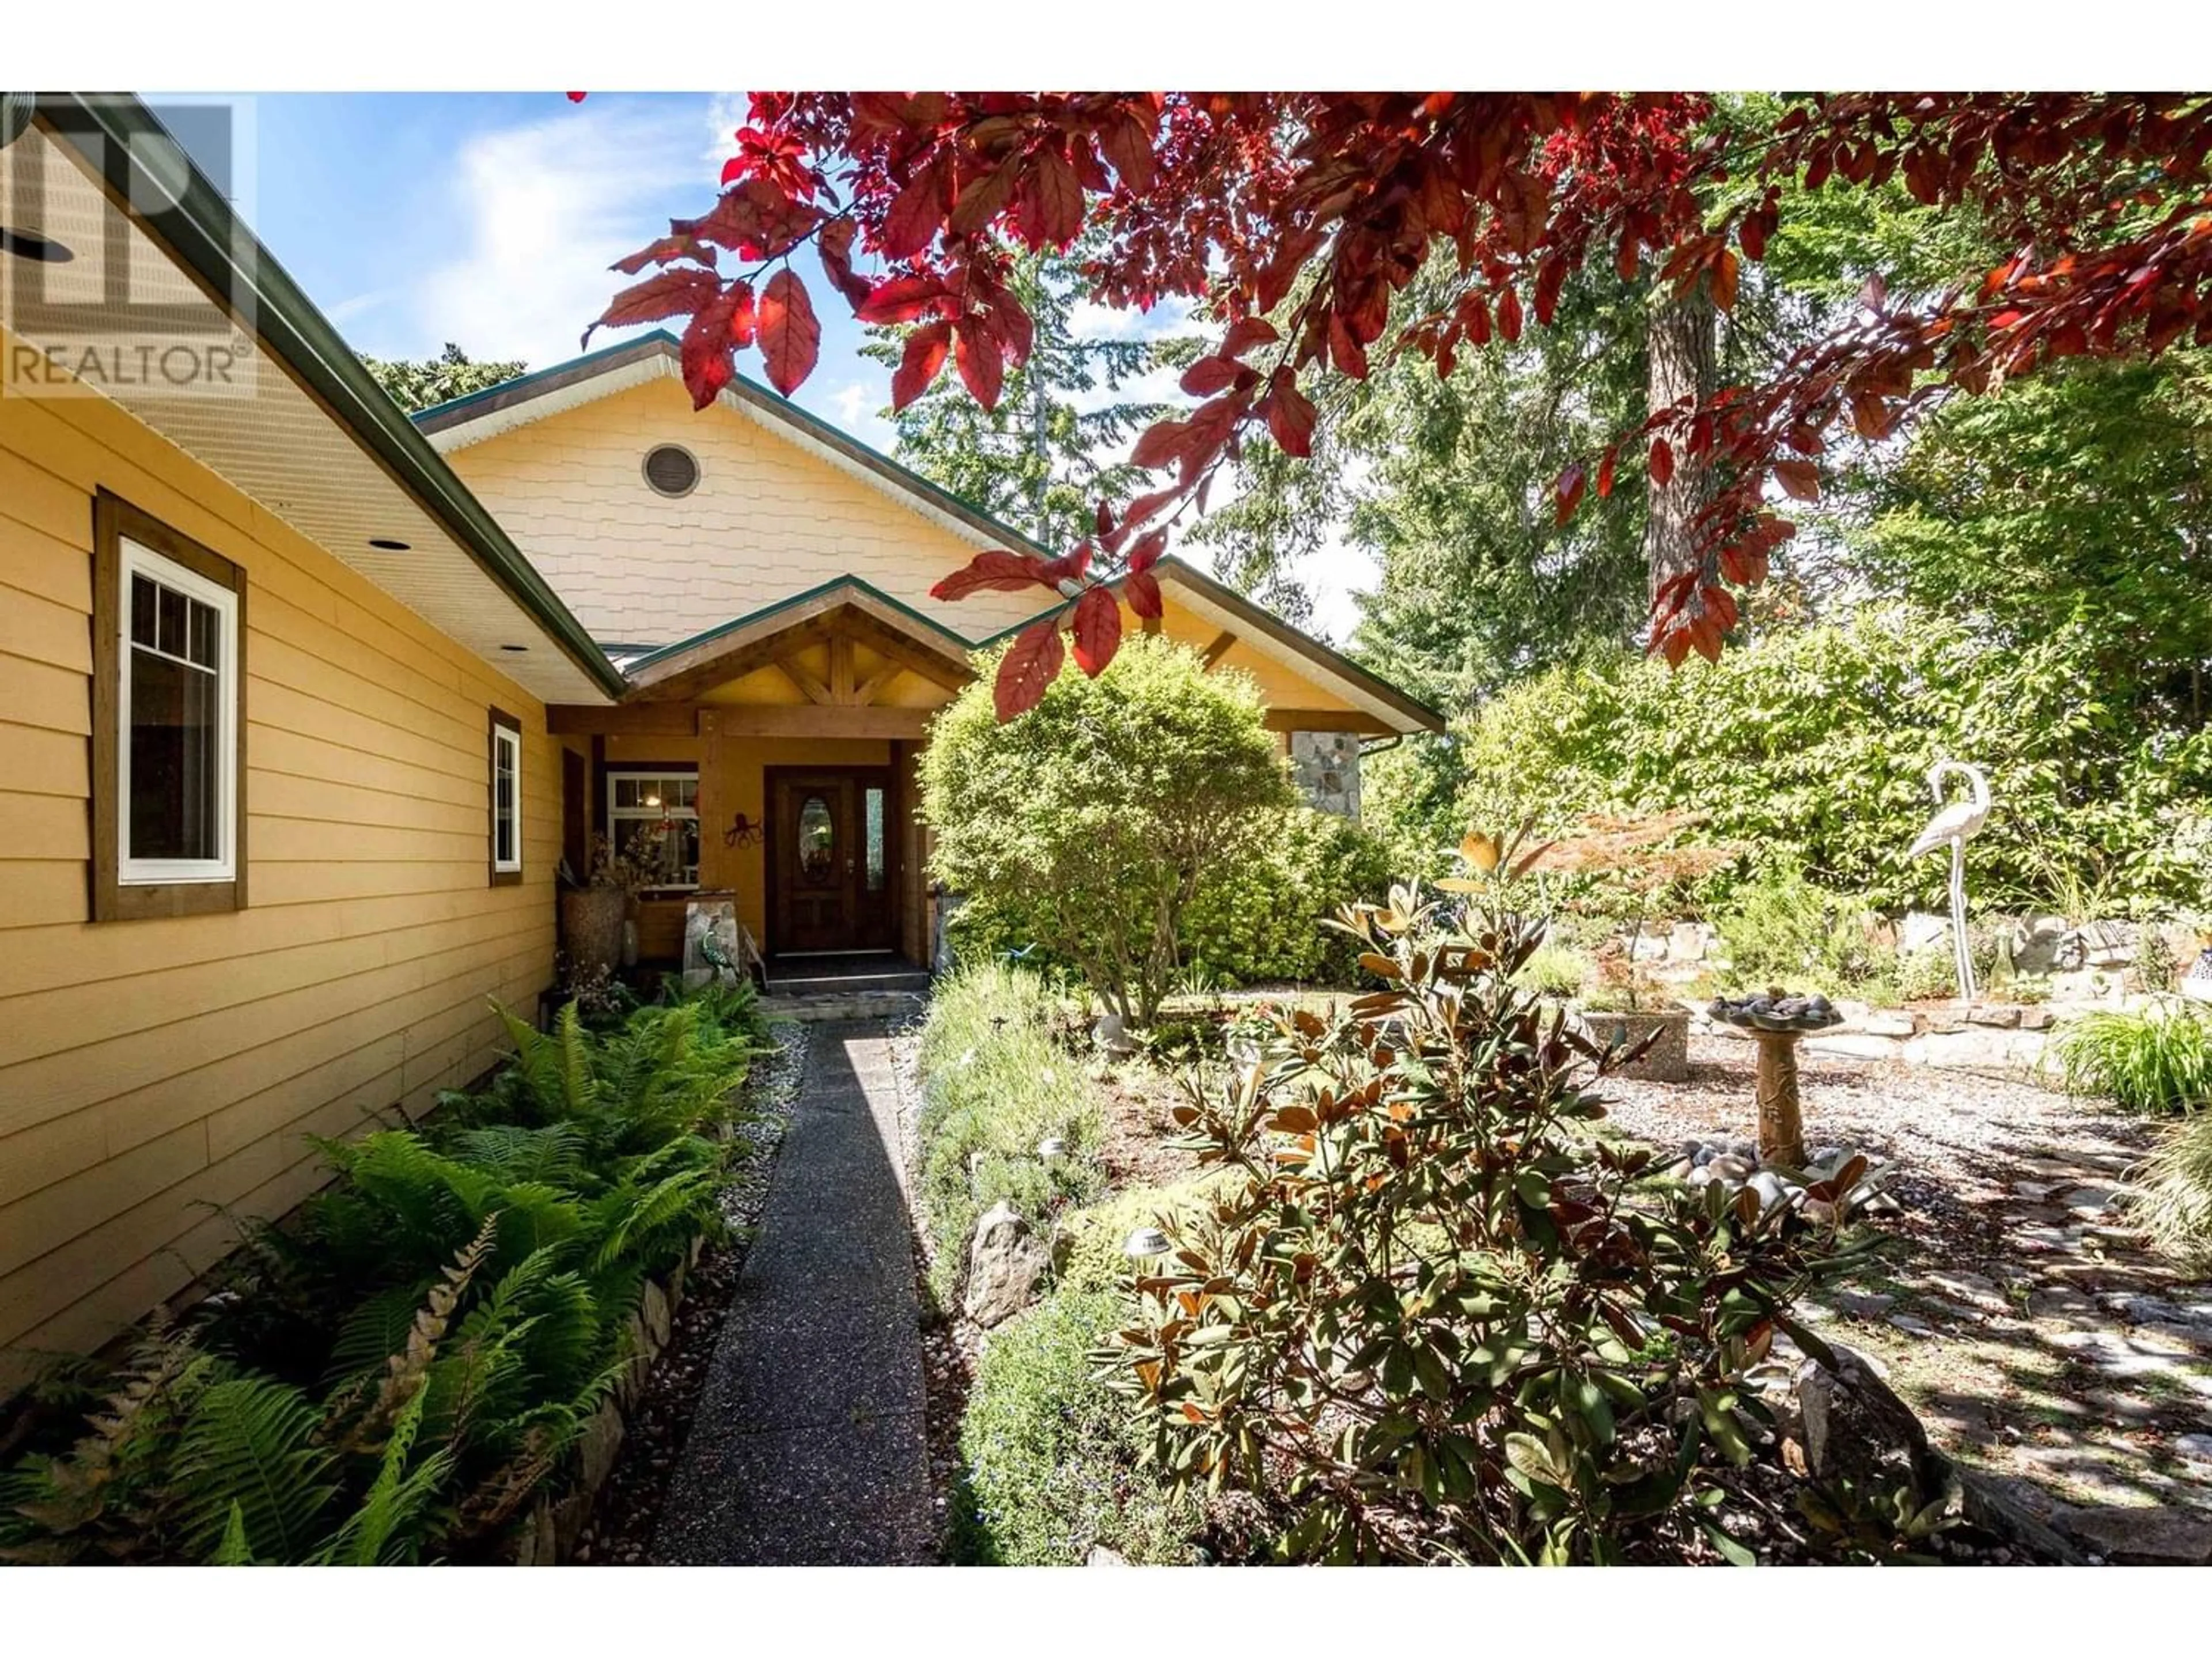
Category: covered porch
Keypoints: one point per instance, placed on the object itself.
(774, 759)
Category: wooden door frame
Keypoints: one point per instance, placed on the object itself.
(859, 777)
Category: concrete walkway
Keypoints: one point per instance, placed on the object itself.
(808, 1446)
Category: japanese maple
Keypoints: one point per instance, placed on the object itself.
(1294, 219)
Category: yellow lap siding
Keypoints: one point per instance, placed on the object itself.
(147, 1068)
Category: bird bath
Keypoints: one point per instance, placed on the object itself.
(1777, 1022)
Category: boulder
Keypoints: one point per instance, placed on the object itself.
(1857, 1432)
(1922, 930)
(1005, 1262)
(2143, 1536)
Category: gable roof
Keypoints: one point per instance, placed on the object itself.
(534, 397)
(544, 392)
(848, 605)
(314, 440)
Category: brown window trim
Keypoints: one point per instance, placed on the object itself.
(501, 722)
(114, 519)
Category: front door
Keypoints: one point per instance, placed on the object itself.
(829, 853)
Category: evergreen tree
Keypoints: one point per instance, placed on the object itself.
(1040, 460)
(453, 374)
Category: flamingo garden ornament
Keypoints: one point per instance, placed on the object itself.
(1956, 824)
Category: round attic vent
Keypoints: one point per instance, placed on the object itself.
(671, 471)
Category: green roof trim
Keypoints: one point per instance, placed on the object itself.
(208, 239)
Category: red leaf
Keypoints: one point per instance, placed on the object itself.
(1290, 418)
(1570, 492)
(916, 211)
(1509, 315)
(1605, 474)
(1000, 572)
(1146, 553)
(1128, 145)
(835, 245)
(1052, 205)
(1245, 333)
(1068, 567)
(1029, 668)
(1723, 280)
(1663, 462)
(983, 366)
(925, 355)
(666, 251)
(1209, 375)
(1097, 629)
(705, 352)
(1143, 590)
(790, 333)
(1011, 327)
(1345, 352)
(666, 293)
(981, 200)
(1801, 479)
(1158, 444)
(901, 299)
(575, 97)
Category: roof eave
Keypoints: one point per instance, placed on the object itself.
(206, 238)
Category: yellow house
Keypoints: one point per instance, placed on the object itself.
(303, 705)
(764, 581)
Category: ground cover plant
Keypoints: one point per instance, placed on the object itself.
(1430, 1317)
(996, 1084)
(394, 1372)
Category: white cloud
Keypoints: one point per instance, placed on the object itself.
(550, 205)
(856, 407)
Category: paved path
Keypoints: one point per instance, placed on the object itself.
(808, 1445)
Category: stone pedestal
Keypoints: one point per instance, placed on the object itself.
(1325, 765)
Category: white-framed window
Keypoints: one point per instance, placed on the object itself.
(653, 822)
(506, 799)
(177, 718)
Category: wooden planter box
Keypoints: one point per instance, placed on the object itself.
(1668, 1061)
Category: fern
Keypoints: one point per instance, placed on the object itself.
(251, 1444)
(386, 1530)
(235, 1550)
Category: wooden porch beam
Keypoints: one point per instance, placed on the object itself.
(1214, 653)
(754, 719)
(659, 720)
(841, 669)
(814, 688)
(872, 687)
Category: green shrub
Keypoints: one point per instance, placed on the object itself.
(1555, 971)
(994, 1084)
(1090, 1240)
(1258, 920)
(1088, 825)
(2176, 1205)
(1051, 1458)
(394, 1374)
(2159, 1060)
(1417, 1324)
(1780, 929)
(1811, 746)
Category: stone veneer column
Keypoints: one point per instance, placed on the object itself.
(1325, 765)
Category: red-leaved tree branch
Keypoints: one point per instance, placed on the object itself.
(1293, 219)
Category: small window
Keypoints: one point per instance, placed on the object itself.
(506, 799)
(168, 619)
(672, 470)
(653, 821)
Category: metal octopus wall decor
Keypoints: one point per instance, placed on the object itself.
(745, 832)
(1954, 826)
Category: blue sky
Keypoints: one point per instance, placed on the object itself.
(490, 219)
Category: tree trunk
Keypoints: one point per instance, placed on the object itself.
(1680, 348)
(1781, 1119)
